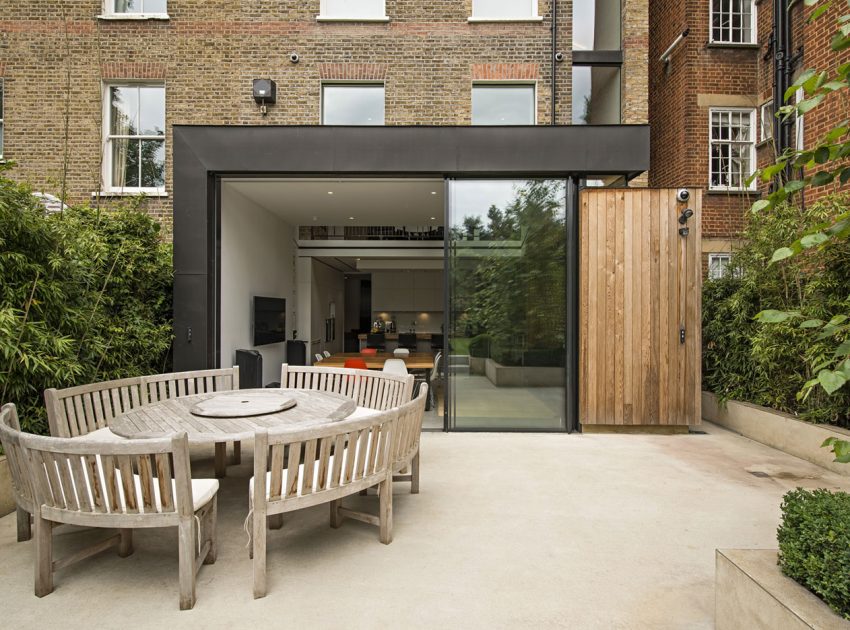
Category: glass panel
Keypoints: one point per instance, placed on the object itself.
(353, 105)
(596, 95)
(506, 321)
(124, 111)
(153, 163)
(596, 24)
(125, 163)
(504, 8)
(503, 105)
(155, 6)
(732, 21)
(353, 8)
(152, 111)
(128, 6)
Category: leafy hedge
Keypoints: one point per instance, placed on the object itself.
(814, 544)
(769, 364)
(85, 295)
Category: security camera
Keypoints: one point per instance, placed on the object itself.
(559, 57)
(294, 58)
(683, 195)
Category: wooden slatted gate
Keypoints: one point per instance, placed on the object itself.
(639, 292)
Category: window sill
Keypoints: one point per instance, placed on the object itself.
(732, 191)
(139, 192)
(120, 17)
(328, 18)
(497, 20)
(733, 45)
(764, 143)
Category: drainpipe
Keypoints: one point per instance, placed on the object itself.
(554, 59)
(781, 71)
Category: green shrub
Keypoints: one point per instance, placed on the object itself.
(480, 346)
(814, 544)
(769, 364)
(85, 295)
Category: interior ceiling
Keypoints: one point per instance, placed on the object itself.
(355, 265)
(398, 202)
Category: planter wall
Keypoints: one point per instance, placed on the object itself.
(778, 430)
(751, 592)
(510, 376)
(7, 496)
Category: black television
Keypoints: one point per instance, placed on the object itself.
(269, 320)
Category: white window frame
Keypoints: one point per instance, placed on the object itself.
(766, 121)
(2, 114)
(106, 171)
(109, 13)
(799, 124)
(498, 83)
(751, 142)
(532, 16)
(727, 269)
(753, 26)
(325, 16)
(344, 83)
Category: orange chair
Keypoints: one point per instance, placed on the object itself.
(356, 364)
(369, 352)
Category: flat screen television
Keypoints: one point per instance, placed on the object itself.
(269, 320)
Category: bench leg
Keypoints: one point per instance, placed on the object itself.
(24, 525)
(258, 542)
(336, 517)
(237, 453)
(43, 556)
(385, 489)
(414, 474)
(125, 544)
(209, 521)
(220, 460)
(186, 562)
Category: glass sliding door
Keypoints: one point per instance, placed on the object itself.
(506, 323)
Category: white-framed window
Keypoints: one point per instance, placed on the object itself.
(134, 128)
(353, 103)
(733, 21)
(768, 118)
(353, 10)
(507, 10)
(1, 119)
(504, 104)
(732, 148)
(135, 8)
(799, 125)
(719, 266)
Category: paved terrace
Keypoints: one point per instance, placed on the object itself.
(510, 531)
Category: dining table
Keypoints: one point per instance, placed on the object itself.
(233, 416)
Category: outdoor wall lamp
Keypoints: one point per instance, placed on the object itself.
(265, 91)
(687, 213)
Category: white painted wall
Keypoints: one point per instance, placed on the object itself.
(328, 286)
(257, 258)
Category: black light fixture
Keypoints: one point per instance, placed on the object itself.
(265, 93)
(687, 213)
(684, 231)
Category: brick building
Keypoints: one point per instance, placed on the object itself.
(712, 101)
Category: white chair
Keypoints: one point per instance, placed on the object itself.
(395, 366)
(326, 353)
(318, 357)
(401, 352)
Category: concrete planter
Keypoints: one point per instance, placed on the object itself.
(476, 365)
(751, 592)
(7, 495)
(511, 376)
(778, 430)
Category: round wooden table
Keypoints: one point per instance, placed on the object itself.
(174, 415)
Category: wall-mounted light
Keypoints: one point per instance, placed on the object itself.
(684, 231)
(265, 93)
(687, 213)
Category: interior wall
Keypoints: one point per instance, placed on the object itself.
(328, 287)
(257, 258)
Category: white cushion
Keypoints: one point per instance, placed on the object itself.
(101, 435)
(362, 412)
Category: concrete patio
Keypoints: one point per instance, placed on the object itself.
(510, 530)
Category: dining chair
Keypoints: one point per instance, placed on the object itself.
(356, 364)
(401, 352)
(395, 366)
(376, 340)
(407, 340)
(326, 353)
(22, 490)
(369, 352)
(437, 341)
(318, 357)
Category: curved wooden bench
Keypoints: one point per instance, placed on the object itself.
(87, 410)
(320, 465)
(370, 388)
(408, 433)
(10, 432)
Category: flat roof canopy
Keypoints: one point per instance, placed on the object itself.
(204, 154)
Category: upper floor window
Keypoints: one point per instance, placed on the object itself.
(353, 10)
(135, 138)
(136, 7)
(732, 148)
(596, 95)
(495, 104)
(733, 21)
(353, 104)
(1, 119)
(504, 9)
(596, 24)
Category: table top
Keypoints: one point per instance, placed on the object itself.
(415, 361)
(171, 416)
